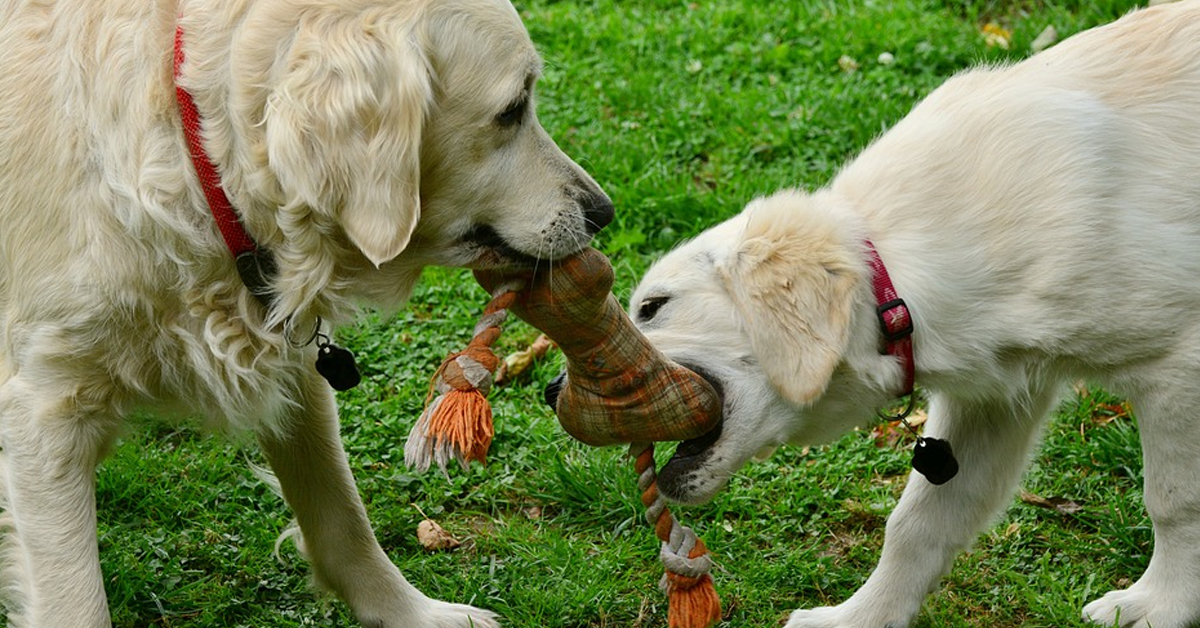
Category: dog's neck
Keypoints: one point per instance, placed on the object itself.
(255, 265)
(894, 319)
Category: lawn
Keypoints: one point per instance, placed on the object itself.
(683, 111)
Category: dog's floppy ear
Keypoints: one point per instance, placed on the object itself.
(793, 279)
(344, 125)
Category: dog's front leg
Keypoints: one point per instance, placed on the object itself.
(1168, 593)
(932, 524)
(311, 466)
(51, 449)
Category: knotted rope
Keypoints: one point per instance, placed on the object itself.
(457, 423)
(691, 597)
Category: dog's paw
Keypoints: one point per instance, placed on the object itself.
(1141, 607)
(841, 617)
(824, 617)
(447, 615)
(431, 613)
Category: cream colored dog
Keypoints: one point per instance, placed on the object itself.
(359, 140)
(1042, 222)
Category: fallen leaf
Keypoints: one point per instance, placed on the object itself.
(889, 433)
(917, 418)
(1045, 39)
(434, 538)
(996, 35)
(1060, 505)
(518, 362)
(1105, 413)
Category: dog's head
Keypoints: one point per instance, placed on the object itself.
(377, 134)
(496, 188)
(766, 305)
(416, 127)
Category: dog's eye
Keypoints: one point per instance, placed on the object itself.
(650, 307)
(514, 114)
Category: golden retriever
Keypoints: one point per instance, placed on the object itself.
(1042, 223)
(358, 140)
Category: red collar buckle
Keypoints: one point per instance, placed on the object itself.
(895, 320)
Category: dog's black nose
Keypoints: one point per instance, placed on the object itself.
(597, 212)
(553, 389)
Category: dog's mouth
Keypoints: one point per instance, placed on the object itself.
(493, 251)
(676, 479)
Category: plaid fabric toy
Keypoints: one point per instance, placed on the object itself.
(618, 390)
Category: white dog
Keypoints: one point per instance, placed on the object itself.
(358, 140)
(1042, 223)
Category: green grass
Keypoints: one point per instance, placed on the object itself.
(683, 111)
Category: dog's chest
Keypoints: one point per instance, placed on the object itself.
(204, 358)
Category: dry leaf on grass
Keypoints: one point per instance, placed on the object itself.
(434, 538)
(888, 433)
(996, 35)
(516, 363)
(1060, 505)
(1105, 413)
(1048, 37)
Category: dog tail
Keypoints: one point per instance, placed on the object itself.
(292, 530)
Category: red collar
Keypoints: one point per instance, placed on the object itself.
(932, 457)
(254, 265)
(231, 228)
(894, 318)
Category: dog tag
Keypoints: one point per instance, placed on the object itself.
(933, 458)
(337, 366)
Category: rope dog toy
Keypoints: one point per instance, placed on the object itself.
(618, 389)
(457, 423)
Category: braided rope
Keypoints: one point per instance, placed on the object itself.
(693, 601)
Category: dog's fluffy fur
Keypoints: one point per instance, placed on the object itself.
(1042, 221)
(360, 140)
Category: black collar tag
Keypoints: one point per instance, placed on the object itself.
(335, 364)
(934, 459)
